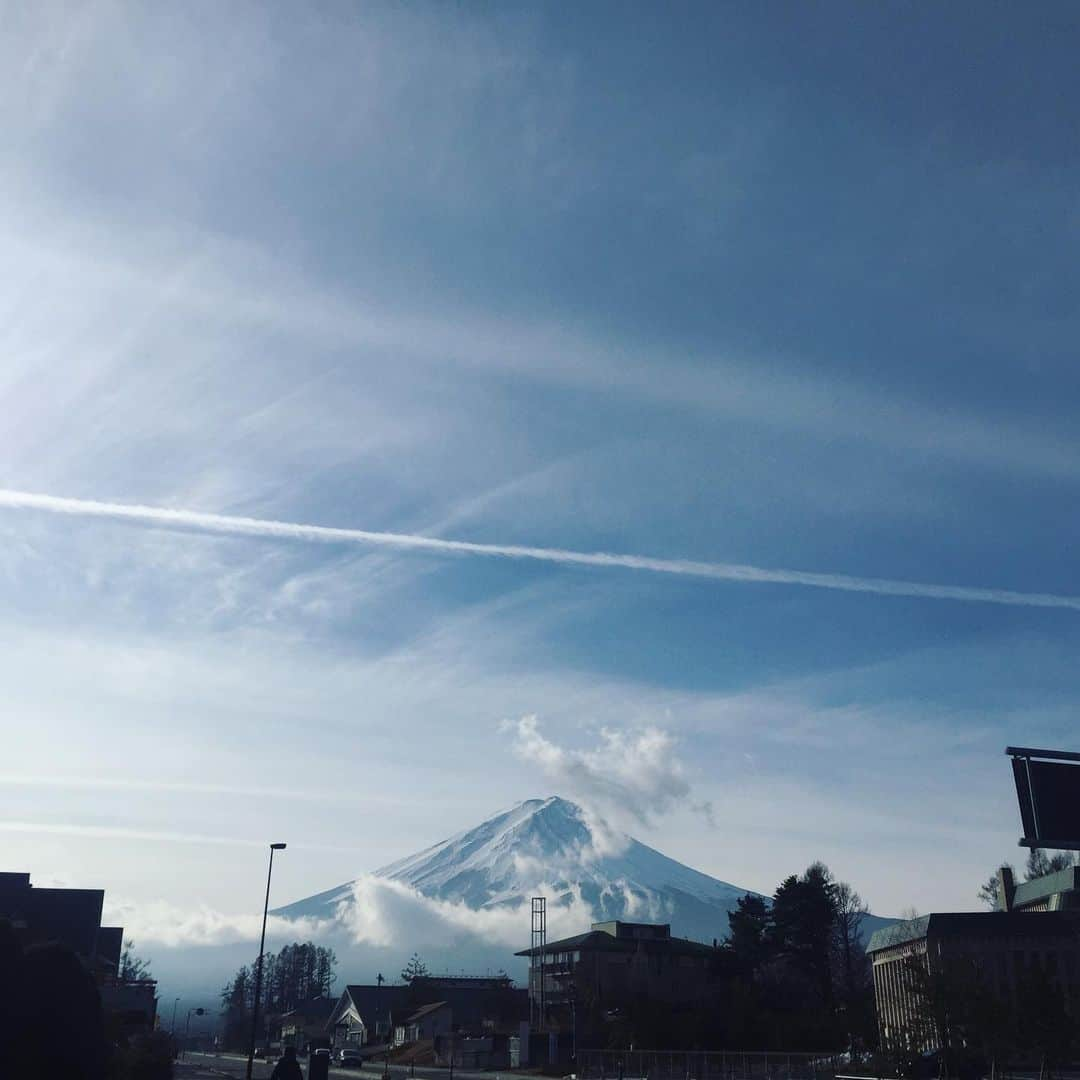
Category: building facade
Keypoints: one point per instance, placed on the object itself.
(991, 956)
(428, 1023)
(366, 1014)
(574, 980)
(72, 918)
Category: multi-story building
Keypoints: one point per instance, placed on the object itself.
(992, 953)
(72, 918)
(613, 964)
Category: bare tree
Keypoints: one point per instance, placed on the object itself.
(851, 910)
(132, 967)
(850, 956)
(1039, 864)
(990, 890)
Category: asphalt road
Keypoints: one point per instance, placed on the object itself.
(205, 1066)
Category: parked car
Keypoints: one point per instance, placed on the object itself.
(349, 1056)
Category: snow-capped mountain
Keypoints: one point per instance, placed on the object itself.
(551, 847)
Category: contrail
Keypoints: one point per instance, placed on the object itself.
(231, 525)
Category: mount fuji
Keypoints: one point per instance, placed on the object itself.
(552, 847)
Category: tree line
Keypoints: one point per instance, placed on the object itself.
(792, 973)
(290, 977)
(798, 971)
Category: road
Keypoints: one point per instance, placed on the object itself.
(207, 1066)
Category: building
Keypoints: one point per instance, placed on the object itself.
(478, 1052)
(72, 918)
(480, 1003)
(1053, 892)
(366, 1014)
(574, 980)
(305, 1025)
(991, 954)
(428, 1023)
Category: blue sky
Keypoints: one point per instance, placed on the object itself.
(781, 285)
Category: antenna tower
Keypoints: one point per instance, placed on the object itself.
(536, 970)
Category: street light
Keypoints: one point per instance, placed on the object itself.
(187, 1030)
(259, 965)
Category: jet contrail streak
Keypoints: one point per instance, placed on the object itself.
(231, 525)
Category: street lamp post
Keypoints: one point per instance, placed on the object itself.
(187, 1030)
(259, 965)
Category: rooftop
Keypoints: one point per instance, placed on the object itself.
(426, 1010)
(1041, 888)
(624, 937)
(975, 924)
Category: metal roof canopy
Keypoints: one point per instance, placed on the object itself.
(1048, 791)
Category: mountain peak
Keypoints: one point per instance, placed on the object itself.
(546, 846)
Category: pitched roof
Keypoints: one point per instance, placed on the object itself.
(601, 941)
(371, 1002)
(317, 1008)
(426, 1010)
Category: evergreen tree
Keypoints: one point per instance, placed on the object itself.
(803, 919)
(236, 1002)
(414, 969)
(749, 933)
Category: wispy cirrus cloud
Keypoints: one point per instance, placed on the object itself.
(713, 571)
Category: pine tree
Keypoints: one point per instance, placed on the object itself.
(803, 918)
(749, 932)
(414, 969)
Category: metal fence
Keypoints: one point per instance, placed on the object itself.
(708, 1065)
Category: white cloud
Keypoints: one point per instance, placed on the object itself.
(379, 913)
(388, 913)
(162, 922)
(634, 774)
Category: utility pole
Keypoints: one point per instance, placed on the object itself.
(259, 965)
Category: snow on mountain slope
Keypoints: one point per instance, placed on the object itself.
(548, 846)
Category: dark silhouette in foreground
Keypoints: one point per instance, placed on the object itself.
(288, 1068)
(35, 984)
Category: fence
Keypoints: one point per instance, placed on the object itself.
(708, 1065)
